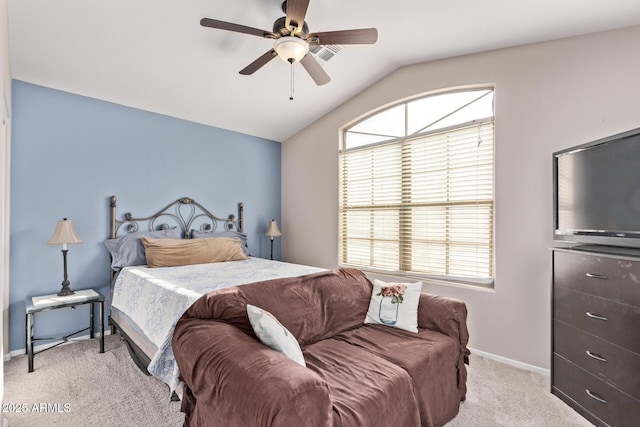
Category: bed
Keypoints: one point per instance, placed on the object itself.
(147, 302)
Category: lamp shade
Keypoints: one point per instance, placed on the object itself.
(273, 230)
(291, 49)
(64, 234)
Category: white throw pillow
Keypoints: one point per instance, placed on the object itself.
(273, 334)
(395, 304)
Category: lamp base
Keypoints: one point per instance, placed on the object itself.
(271, 249)
(66, 290)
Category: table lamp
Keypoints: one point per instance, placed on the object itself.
(64, 235)
(273, 231)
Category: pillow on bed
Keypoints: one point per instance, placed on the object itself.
(128, 250)
(395, 304)
(273, 334)
(195, 234)
(175, 252)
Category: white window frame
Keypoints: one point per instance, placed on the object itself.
(405, 256)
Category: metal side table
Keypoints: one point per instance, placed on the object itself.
(53, 302)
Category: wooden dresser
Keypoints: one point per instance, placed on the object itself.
(595, 364)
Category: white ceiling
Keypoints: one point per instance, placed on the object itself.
(154, 55)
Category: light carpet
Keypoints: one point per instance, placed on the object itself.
(73, 385)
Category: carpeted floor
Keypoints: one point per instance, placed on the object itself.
(501, 395)
(74, 385)
(100, 389)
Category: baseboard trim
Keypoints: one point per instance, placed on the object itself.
(512, 362)
(37, 348)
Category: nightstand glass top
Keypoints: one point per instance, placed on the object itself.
(47, 301)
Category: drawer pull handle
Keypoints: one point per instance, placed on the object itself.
(596, 276)
(595, 316)
(596, 356)
(595, 396)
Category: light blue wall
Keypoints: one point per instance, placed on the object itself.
(70, 153)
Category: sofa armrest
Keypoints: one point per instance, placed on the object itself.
(445, 315)
(230, 375)
(449, 317)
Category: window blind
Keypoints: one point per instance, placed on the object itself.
(421, 205)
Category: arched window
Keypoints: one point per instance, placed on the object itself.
(416, 189)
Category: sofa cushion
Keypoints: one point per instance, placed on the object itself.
(365, 389)
(430, 358)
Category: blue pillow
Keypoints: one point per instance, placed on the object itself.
(128, 250)
(195, 234)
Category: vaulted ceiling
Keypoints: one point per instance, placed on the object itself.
(155, 55)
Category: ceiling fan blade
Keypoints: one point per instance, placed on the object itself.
(258, 63)
(360, 36)
(315, 70)
(296, 11)
(229, 26)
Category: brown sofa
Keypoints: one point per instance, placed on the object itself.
(357, 374)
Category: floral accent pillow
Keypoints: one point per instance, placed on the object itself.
(272, 334)
(395, 305)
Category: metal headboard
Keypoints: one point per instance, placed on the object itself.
(185, 213)
(195, 216)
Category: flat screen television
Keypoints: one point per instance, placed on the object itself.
(597, 192)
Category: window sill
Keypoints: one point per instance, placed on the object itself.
(426, 280)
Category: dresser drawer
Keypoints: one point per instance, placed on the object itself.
(614, 365)
(613, 322)
(611, 278)
(610, 405)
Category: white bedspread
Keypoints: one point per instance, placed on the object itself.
(155, 298)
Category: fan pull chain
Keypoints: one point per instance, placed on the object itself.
(291, 94)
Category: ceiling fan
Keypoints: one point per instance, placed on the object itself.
(292, 39)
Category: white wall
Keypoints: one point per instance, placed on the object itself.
(5, 113)
(548, 96)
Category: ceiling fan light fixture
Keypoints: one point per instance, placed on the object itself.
(291, 49)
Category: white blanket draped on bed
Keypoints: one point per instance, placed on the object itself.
(155, 298)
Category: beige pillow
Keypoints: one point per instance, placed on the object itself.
(175, 252)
